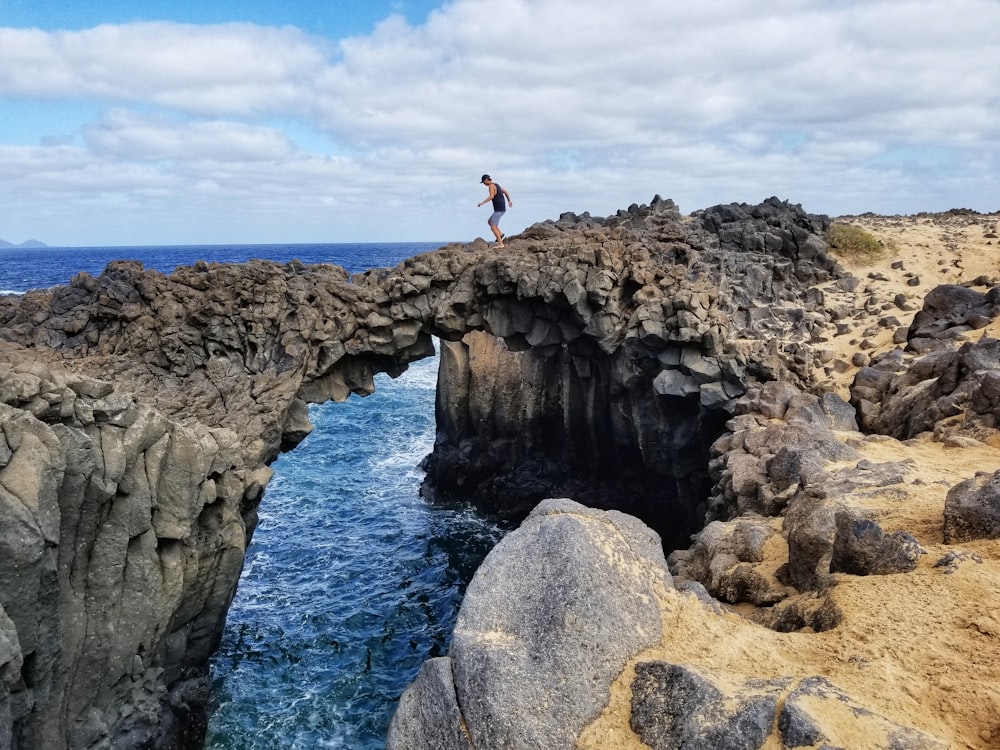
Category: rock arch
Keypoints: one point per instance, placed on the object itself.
(142, 411)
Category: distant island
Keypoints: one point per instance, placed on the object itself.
(26, 243)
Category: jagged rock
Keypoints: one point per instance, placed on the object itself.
(762, 464)
(810, 612)
(826, 535)
(676, 708)
(778, 466)
(862, 548)
(947, 310)
(642, 381)
(723, 558)
(810, 529)
(972, 509)
(517, 677)
(940, 383)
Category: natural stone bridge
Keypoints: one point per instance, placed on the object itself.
(141, 411)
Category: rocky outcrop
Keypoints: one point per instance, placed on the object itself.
(573, 599)
(798, 507)
(155, 403)
(802, 524)
(121, 542)
(639, 333)
(665, 365)
(940, 381)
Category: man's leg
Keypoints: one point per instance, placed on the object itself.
(496, 232)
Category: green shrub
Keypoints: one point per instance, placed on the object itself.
(855, 243)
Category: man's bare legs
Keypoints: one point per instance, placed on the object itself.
(497, 234)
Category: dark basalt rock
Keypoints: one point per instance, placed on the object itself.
(675, 708)
(939, 382)
(632, 378)
(972, 509)
(862, 548)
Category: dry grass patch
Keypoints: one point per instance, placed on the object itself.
(856, 244)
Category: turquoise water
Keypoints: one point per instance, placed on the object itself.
(352, 579)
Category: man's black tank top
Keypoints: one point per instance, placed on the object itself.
(498, 203)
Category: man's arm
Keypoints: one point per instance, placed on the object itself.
(507, 195)
(493, 191)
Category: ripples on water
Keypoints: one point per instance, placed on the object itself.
(351, 582)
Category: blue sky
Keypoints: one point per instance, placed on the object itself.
(332, 18)
(162, 122)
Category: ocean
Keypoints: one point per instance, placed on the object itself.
(352, 579)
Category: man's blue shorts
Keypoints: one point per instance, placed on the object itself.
(495, 218)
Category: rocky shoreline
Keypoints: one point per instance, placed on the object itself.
(828, 436)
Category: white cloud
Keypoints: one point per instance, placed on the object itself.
(231, 69)
(885, 105)
(128, 135)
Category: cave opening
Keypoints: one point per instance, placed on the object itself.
(516, 426)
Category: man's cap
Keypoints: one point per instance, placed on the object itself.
(484, 178)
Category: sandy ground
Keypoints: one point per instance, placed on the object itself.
(920, 648)
(921, 252)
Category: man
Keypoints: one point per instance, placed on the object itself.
(497, 194)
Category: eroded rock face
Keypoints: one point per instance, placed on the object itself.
(517, 427)
(123, 535)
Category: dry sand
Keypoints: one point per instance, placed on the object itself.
(921, 252)
(920, 648)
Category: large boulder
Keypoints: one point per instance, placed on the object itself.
(549, 620)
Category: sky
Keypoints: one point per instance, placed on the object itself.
(152, 122)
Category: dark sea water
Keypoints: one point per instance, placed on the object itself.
(352, 579)
(38, 268)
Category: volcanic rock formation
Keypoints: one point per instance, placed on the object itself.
(675, 367)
